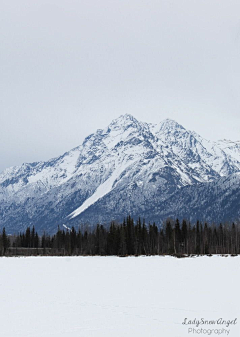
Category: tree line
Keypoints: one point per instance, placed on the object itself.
(128, 238)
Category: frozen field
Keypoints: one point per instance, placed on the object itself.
(111, 296)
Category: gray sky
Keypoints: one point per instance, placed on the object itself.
(68, 67)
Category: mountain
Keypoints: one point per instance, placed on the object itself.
(130, 167)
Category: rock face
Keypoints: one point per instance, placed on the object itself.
(152, 171)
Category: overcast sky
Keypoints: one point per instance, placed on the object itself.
(68, 67)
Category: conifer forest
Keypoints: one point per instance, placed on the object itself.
(128, 238)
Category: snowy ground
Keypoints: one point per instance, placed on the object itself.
(110, 296)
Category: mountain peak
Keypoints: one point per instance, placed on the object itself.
(124, 119)
(168, 125)
(123, 122)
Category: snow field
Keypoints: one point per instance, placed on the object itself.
(111, 296)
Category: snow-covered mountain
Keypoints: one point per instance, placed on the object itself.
(130, 167)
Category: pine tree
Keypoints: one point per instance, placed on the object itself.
(5, 241)
(169, 238)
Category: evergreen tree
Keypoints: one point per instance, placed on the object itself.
(5, 241)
